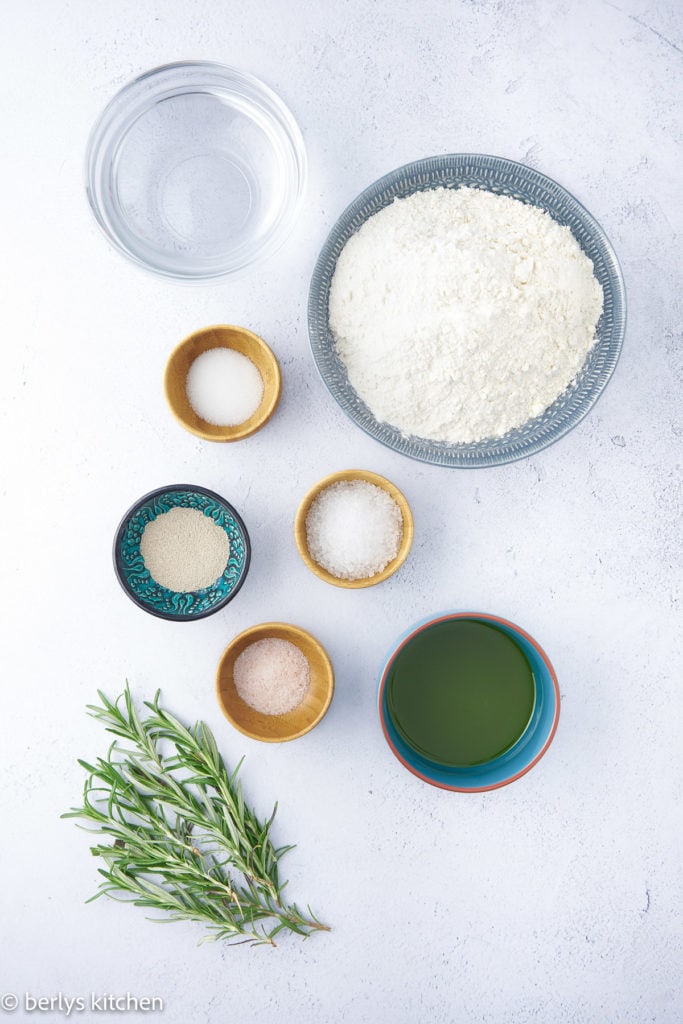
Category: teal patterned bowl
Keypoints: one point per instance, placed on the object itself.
(503, 177)
(150, 595)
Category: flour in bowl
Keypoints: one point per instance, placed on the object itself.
(461, 314)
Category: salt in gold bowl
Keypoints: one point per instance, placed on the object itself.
(371, 478)
(304, 717)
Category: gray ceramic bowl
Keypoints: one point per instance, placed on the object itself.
(504, 177)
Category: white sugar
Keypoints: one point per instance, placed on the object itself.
(354, 529)
(272, 676)
(224, 387)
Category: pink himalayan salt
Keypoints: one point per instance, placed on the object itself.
(272, 676)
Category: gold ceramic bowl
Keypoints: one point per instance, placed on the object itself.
(276, 728)
(371, 478)
(221, 336)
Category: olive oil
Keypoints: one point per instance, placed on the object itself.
(461, 692)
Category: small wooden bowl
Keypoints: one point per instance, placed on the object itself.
(371, 478)
(276, 728)
(221, 336)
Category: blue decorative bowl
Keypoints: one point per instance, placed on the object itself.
(516, 761)
(150, 595)
(504, 177)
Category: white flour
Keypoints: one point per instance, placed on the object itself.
(461, 314)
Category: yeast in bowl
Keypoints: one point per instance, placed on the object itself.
(179, 594)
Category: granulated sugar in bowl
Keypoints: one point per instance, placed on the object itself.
(224, 387)
(222, 383)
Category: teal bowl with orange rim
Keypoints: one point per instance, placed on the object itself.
(468, 701)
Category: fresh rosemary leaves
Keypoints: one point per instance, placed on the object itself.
(176, 834)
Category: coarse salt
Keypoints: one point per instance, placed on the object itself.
(272, 676)
(353, 529)
(224, 387)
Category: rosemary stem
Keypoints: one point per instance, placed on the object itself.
(175, 833)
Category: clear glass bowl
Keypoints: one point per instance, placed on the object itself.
(195, 170)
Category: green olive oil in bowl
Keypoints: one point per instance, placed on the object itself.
(461, 692)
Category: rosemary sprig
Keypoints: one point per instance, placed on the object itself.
(176, 833)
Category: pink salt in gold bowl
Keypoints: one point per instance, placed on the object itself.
(292, 724)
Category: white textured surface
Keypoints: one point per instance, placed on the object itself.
(556, 899)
